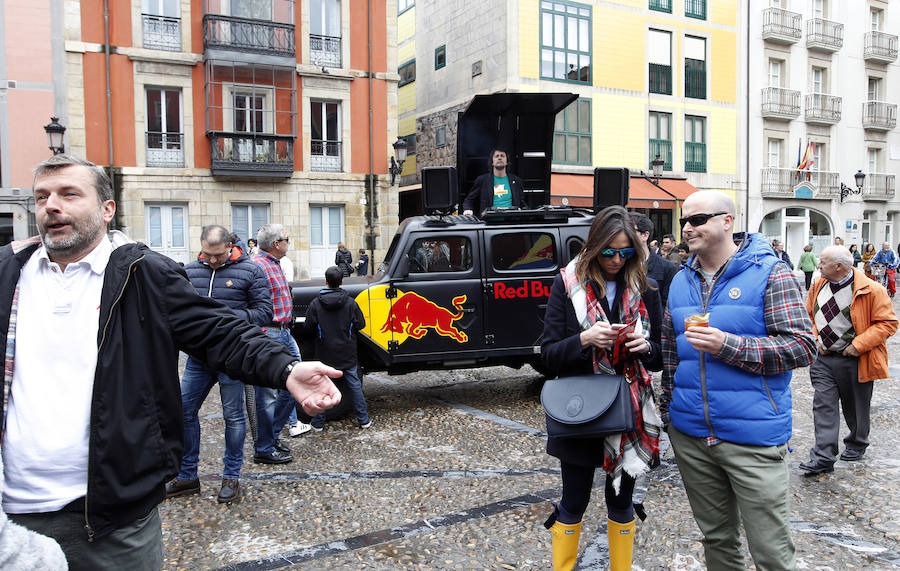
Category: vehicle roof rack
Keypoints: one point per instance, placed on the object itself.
(537, 215)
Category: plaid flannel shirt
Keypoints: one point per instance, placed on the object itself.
(789, 345)
(278, 287)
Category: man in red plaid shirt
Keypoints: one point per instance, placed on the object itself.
(726, 394)
(274, 407)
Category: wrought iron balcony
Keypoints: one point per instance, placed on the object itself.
(695, 9)
(663, 148)
(879, 116)
(161, 33)
(879, 187)
(165, 149)
(246, 35)
(778, 103)
(789, 183)
(694, 157)
(325, 51)
(661, 5)
(694, 78)
(325, 156)
(880, 47)
(251, 154)
(824, 35)
(660, 78)
(822, 109)
(781, 26)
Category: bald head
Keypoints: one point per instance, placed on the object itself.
(835, 263)
(710, 201)
(837, 254)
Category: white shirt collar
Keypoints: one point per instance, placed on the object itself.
(96, 259)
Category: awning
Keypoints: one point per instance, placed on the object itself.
(642, 193)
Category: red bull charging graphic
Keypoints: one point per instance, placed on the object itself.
(409, 315)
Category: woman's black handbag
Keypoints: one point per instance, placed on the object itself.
(588, 406)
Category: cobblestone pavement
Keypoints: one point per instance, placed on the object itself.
(453, 475)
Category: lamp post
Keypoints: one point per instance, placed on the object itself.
(55, 133)
(400, 147)
(846, 191)
(657, 165)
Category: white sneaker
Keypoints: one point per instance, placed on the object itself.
(366, 425)
(299, 428)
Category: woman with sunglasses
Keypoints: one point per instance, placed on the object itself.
(602, 288)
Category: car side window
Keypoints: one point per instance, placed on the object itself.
(440, 254)
(575, 247)
(523, 251)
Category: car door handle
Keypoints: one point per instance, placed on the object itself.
(465, 309)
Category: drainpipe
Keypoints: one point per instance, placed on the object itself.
(109, 126)
(747, 140)
(371, 177)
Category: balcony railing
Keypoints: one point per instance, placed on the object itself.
(165, 149)
(660, 78)
(879, 187)
(778, 103)
(880, 47)
(251, 154)
(822, 109)
(695, 9)
(879, 116)
(161, 33)
(663, 148)
(242, 34)
(694, 157)
(325, 156)
(695, 78)
(824, 35)
(780, 183)
(661, 5)
(781, 26)
(325, 51)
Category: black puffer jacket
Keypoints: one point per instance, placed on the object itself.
(148, 312)
(344, 260)
(334, 318)
(238, 283)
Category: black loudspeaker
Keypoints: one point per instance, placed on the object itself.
(439, 188)
(610, 187)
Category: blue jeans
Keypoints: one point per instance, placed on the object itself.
(356, 396)
(196, 383)
(273, 407)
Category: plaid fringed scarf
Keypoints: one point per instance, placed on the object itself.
(638, 451)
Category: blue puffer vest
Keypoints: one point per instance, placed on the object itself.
(712, 398)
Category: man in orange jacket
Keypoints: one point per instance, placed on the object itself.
(852, 319)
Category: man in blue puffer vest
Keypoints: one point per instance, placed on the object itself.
(223, 272)
(726, 394)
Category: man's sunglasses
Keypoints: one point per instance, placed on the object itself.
(624, 253)
(283, 240)
(698, 219)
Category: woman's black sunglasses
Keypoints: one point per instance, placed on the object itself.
(698, 219)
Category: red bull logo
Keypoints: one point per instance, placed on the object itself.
(413, 315)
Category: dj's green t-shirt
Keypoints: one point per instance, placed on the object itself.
(502, 194)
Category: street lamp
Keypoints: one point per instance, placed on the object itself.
(400, 147)
(846, 191)
(55, 133)
(657, 165)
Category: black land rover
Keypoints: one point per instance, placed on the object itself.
(457, 291)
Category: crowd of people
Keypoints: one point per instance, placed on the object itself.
(725, 325)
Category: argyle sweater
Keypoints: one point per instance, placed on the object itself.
(832, 311)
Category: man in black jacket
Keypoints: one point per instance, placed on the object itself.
(223, 272)
(91, 325)
(334, 318)
(498, 188)
(658, 267)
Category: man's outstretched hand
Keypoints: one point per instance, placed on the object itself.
(310, 384)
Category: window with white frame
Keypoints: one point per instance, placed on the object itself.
(161, 24)
(774, 153)
(874, 88)
(659, 53)
(325, 32)
(875, 19)
(819, 156)
(819, 9)
(164, 138)
(873, 156)
(404, 5)
(775, 66)
(325, 136)
(818, 80)
(247, 219)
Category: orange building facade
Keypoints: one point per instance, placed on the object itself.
(240, 113)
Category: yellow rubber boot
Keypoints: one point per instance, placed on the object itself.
(565, 545)
(621, 544)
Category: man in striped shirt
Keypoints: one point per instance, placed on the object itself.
(274, 407)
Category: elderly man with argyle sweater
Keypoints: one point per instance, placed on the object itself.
(852, 319)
